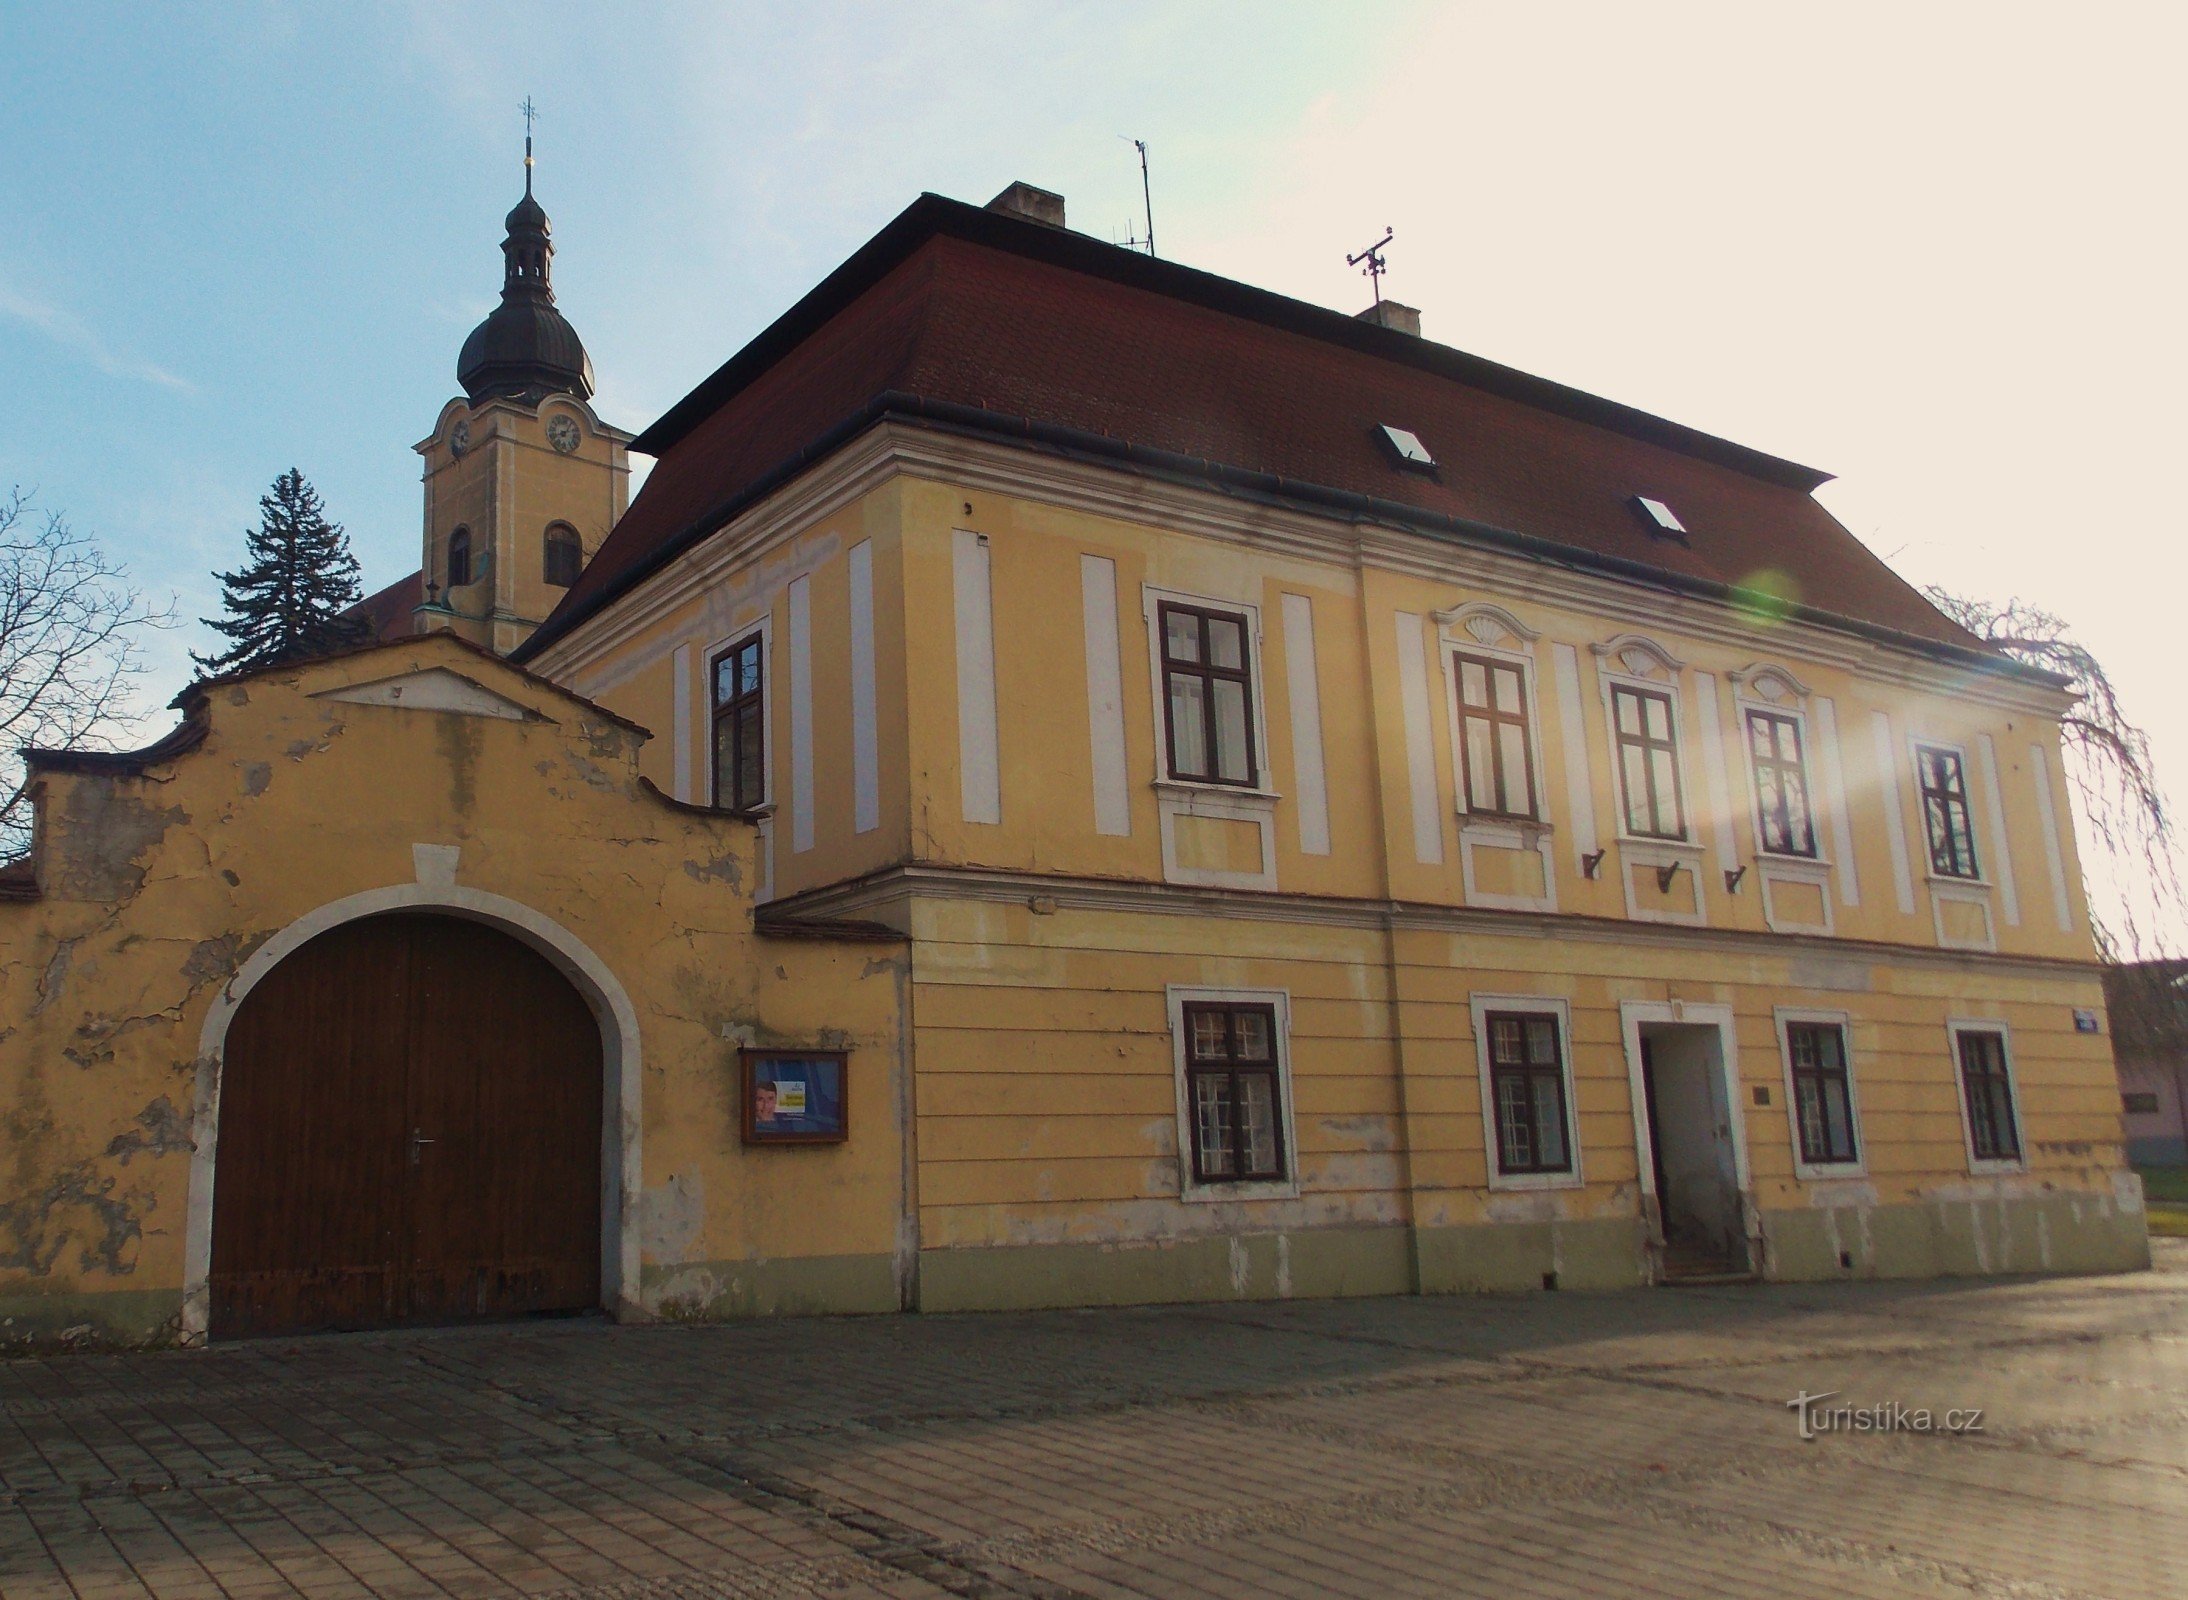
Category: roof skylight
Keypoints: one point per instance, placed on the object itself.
(1663, 521)
(1408, 445)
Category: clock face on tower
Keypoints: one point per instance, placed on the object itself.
(562, 432)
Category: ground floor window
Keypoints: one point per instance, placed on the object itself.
(1823, 1097)
(1234, 1091)
(1986, 1087)
(1526, 1054)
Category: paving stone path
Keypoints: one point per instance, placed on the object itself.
(1551, 1444)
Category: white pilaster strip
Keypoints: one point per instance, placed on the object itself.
(1833, 772)
(1710, 715)
(680, 715)
(2039, 763)
(1104, 695)
(979, 775)
(2009, 898)
(1572, 734)
(801, 714)
(1420, 747)
(1888, 798)
(1310, 784)
(865, 741)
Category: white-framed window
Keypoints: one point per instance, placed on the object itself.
(1990, 1102)
(1821, 1105)
(740, 717)
(1777, 762)
(1948, 816)
(1523, 1044)
(1641, 694)
(1205, 657)
(1232, 1055)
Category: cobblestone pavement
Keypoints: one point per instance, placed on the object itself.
(1547, 1444)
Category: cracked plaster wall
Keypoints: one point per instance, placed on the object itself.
(157, 886)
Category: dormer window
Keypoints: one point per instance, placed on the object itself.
(1406, 446)
(1661, 520)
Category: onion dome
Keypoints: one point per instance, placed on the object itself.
(525, 349)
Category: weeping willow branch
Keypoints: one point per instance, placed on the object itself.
(2122, 810)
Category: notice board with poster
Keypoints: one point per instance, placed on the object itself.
(794, 1096)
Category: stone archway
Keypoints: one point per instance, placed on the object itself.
(547, 945)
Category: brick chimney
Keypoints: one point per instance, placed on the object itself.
(1390, 314)
(1036, 205)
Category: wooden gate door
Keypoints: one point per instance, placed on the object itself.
(410, 1126)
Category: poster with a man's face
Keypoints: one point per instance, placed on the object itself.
(793, 1097)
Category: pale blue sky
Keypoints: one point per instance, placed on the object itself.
(1934, 249)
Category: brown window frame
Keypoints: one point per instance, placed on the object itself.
(1528, 1075)
(1813, 1077)
(1988, 1140)
(1784, 725)
(1208, 674)
(1230, 1066)
(459, 544)
(561, 535)
(1622, 741)
(1529, 810)
(746, 712)
(1941, 804)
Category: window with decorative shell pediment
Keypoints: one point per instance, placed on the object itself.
(1769, 683)
(1493, 710)
(1637, 656)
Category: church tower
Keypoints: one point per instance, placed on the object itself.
(522, 480)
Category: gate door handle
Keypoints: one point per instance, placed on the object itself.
(418, 1142)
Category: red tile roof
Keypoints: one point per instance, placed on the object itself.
(959, 318)
(389, 609)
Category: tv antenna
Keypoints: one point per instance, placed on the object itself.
(1376, 265)
(1147, 194)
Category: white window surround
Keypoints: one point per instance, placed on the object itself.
(1633, 662)
(1526, 1005)
(1493, 633)
(1822, 1172)
(1151, 599)
(1190, 1187)
(1750, 693)
(764, 626)
(1916, 744)
(1954, 1028)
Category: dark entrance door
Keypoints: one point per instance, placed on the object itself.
(409, 1133)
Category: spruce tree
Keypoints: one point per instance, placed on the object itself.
(287, 601)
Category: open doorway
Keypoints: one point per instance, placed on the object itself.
(1687, 1123)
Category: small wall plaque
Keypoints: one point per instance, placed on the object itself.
(2085, 1020)
(794, 1096)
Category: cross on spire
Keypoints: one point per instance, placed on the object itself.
(531, 114)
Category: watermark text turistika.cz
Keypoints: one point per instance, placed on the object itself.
(1818, 1417)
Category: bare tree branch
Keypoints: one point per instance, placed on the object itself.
(71, 631)
(2118, 800)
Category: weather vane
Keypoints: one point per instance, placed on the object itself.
(1376, 266)
(531, 113)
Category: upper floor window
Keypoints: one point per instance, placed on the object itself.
(1823, 1100)
(1495, 747)
(1235, 1103)
(1648, 762)
(1207, 690)
(1986, 1087)
(740, 726)
(1781, 784)
(459, 558)
(1945, 816)
(565, 556)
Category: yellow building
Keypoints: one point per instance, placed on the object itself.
(1235, 800)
